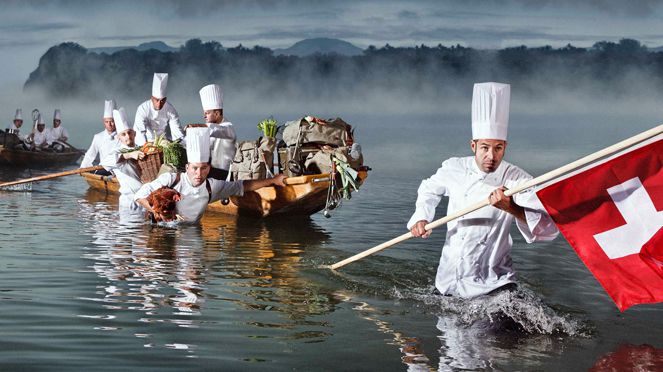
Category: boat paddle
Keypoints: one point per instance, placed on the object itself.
(5, 185)
(524, 186)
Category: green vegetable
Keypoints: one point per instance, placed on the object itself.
(349, 177)
(174, 153)
(269, 127)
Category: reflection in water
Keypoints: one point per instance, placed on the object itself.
(411, 347)
(172, 274)
(631, 358)
(260, 267)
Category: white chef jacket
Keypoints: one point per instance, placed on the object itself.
(40, 138)
(194, 200)
(148, 120)
(102, 144)
(127, 173)
(222, 144)
(56, 133)
(18, 131)
(476, 257)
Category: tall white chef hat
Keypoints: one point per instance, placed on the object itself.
(198, 145)
(159, 84)
(57, 115)
(212, 97)
(121, 122)
(109, 106)
(490, 110)
(19, 114)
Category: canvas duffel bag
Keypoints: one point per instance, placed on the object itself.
(253, 159)
(312, 130)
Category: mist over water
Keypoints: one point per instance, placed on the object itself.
(241, 293)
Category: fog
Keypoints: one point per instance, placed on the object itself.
(407, 122)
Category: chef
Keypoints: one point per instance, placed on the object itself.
(16, 124)
(58, 133)
(156, 116)
(476, 257)
(221, 131)
(122, 161)
(102, 142)
(40, 137)
(195, 188)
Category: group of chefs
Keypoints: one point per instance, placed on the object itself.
(41, 138)
(476, 257)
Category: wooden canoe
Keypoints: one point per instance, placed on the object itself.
(303, 196)
(18, 157)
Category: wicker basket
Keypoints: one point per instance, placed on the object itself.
(149, 166)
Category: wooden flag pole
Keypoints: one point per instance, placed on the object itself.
(53, 175)
(531, 183)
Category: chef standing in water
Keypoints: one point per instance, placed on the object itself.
(195, 188)
(476, 257)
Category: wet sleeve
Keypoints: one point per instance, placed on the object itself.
(429, 194)
(222, 189)
(163, 180)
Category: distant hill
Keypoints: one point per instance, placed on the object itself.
(158, 45)
(321, 45)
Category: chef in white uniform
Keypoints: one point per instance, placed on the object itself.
(103, 142)
(476, 257)
(58, 133)
(122, 163)
(196, 190)
(40, 137)
(222, 131)
(16, 124)
(156, 116)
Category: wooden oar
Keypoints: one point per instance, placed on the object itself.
(53, 175)
(533, 182)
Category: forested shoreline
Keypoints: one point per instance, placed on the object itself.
(69, 70)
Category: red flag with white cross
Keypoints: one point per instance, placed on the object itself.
(612, 216)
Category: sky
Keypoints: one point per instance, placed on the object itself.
(29, 27)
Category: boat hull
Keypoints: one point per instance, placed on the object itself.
(25, 158)
(306, 196)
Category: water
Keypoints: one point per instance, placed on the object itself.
(83, 289)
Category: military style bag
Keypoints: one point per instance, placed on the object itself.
(312, 130)
(321, 161)
(253, 159)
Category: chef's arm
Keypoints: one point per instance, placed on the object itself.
(498, 200)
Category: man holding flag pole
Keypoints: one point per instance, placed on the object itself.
(476, 258)
(609, 210)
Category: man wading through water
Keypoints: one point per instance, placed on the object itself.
(476, 257)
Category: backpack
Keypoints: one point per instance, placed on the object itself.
(253, 159)
(312, 130)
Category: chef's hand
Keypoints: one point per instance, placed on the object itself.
(498, 200)
(419, 230)
(134, 155)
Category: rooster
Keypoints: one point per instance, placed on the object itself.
(163, 202)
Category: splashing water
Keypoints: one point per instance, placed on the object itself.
(21, 187)
(521, 309)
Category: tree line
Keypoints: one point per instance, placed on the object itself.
(70, 70)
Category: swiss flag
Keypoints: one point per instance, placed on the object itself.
(612, 215)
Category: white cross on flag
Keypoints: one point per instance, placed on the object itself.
(612, 215)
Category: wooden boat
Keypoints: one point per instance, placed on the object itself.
(18, 157)
(302, 196)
